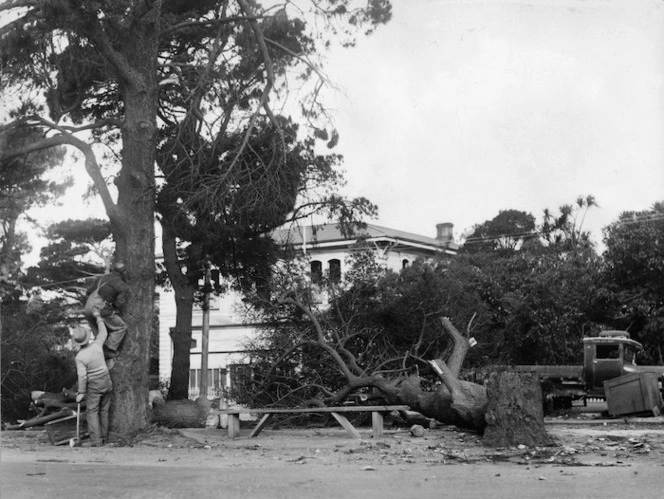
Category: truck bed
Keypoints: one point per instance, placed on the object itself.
(570, 373)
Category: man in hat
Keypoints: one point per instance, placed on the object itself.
(112, 289)
(94, 380)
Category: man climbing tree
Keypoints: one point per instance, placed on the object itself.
(107, 295)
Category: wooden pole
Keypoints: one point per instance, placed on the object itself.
(205, 340)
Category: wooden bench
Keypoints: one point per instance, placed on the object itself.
(377, 412)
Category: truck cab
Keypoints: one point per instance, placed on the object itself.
(607, 356)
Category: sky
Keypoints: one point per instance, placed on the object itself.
(456, 110)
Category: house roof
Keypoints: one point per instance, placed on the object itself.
(331, 235)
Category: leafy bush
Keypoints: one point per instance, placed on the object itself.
(34, 354)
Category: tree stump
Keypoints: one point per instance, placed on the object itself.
(515, 413)
(182, 413)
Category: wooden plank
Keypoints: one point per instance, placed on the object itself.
(314, 410)
(260, 425)
(377, 424)
(233, 425)
(346, 424)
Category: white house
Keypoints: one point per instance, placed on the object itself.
(326, 250)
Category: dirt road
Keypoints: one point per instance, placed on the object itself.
(589, 460)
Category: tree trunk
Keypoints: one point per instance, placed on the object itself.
(133, 227)
(515, 413)
(181, 336)
(184, 305)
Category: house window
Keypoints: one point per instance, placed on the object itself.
(405, 263)
(194, 380)
(216, 382)
(316, 271)
(335, 270)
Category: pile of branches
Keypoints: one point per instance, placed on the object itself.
(48, 406)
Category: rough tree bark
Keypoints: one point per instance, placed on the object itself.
(515, 413)
(184, 305)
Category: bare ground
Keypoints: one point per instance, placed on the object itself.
(614, 455)
(579, 442)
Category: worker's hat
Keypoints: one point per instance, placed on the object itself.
(81, 335)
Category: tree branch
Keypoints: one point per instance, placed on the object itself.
(350, 377)
(17, 23)
(303, 59)
(265, 96)
(210, 23)
(15, 4)
(446, 376)
(91, 165)
(115, 58)
(461, 347)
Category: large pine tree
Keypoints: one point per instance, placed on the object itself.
(121, 72)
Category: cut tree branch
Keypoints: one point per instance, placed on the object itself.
(461, 346)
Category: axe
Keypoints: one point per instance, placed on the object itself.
(77, 441)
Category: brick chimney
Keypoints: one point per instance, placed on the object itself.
(445, 233)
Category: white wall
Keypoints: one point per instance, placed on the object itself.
(227, 332)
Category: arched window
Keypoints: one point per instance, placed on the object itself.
(335, 270)
(316, 271)
(404, 263)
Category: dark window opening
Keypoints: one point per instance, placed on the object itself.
(405, 263)
(608, 352)
(316, 271)
(335, 270)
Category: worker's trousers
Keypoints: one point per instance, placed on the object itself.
(97, 406)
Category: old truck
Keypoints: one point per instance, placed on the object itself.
(605, 357)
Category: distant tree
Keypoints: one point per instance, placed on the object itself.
(31, 330)
(76, 250)
(23, 186)
(506, 231)
(634, 259)
(565, 230)
(546, 303)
